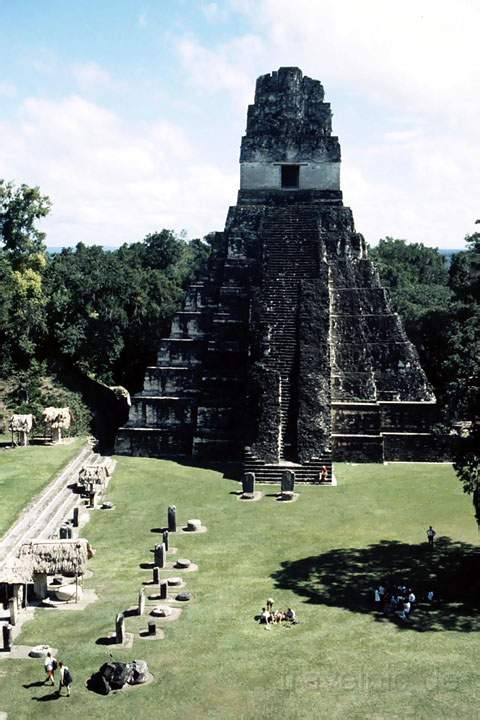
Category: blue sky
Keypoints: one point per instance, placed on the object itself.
(129, 114)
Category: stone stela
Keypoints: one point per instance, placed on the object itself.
(120, 629)
(165, 539)
(287, 353)
(160, 556)
(248, 483)
(288, 481)
(163, 588)
(141, 601)
(172, 519)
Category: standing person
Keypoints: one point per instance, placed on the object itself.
(270, 605)
(65, 678)
(431, 535)
(50, 667)
(324, 474)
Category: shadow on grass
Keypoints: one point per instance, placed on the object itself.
(46, 698)
(146, 565)
(346, 578)
(229, 470)
(109, 640)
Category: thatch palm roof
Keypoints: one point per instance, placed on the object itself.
(57, 417)
(20, 423)
(92, 473)
(49, 557)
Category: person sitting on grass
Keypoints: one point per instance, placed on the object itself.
(265, 617)
(278, 617)
(290, 616)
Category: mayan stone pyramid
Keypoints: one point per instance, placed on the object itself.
(288, 353)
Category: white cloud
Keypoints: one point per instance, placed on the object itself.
(228, 68)
(111, 183)
(410, 70)
(90, 75)
(402, 79)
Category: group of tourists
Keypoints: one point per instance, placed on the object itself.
(398, 600)
(51, 667)
(269, 616)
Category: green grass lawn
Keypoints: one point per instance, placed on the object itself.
(24, 472)
(319, 555)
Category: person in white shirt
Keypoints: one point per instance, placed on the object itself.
(50, 667)
(265, 616)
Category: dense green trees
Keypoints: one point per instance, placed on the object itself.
(443, 320)
(100, 313)
(108, 310)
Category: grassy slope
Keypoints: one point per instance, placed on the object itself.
(24, 472)
(215, 662)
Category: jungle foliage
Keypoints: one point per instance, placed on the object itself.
(99, 313)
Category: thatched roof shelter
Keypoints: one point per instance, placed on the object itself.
(57, 417)
(21, 423)
(48, 557)
(92, 473)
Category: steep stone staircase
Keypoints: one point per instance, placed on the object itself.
(290, 255)
(290, 238)
(272, 473)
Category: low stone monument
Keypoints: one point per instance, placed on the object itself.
(165, 539)
(141, 602)
(183, 563)
(174, 581)
(288, 484)
(152, 628)
(194, 525)
(162, 611)
(172, 519)
(120, 629)
(160, 555)
(183, 597)
(248, 484)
